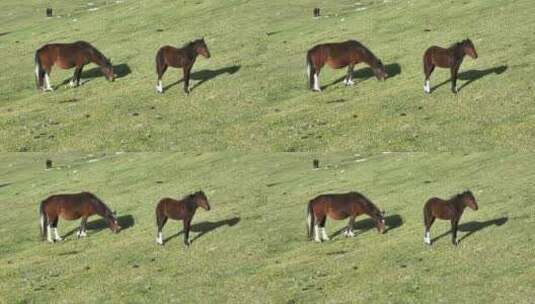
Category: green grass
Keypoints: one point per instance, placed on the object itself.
(264, 257)
(264, 105)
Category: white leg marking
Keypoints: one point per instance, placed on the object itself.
(427, 87)
(47, 81)
(324, 235)
(317, 233)
(159, 87)
(49, 234)
(427, 238)
(316, 83)
(72, 84)
(56, 235)
(159, 239)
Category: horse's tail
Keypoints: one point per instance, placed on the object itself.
(309, 220)
(39, 71)
(427, 213)
(43, 221)
(309, 66)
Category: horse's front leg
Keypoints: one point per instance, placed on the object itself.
(349, 229)
(454, 223)
(81, 232)
(187, 226)
(187, 71)
(348, 81)
(79, 75)
(454, 72)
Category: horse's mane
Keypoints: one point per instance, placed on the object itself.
(369, 204)
(191, 43)
(374, 59)
(191, 195)
(99, 203)
(458, 196)
(458, 44)
(95, 52)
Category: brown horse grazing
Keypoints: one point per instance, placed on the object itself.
(67, 56)
(339, 207)
(72, 207)
(179, 58)
(183, 209)
(451, 58)
(337, 56)
(451, 209)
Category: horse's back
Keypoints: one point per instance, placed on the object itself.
(438, 56)
(70, 205)
(439, 208)
(170, 55)
(172, 208)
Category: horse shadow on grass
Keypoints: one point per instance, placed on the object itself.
(392, 69)
(474, 226)
(125, 221)
(391, 222)
(120, 71)
(4, 185)
(204, 227)
(205, 75)
(472, 75)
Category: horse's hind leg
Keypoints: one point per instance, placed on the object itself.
(55, 228)
(430, 219)
(49, 230)
(322, 230)
(316, 76)
(48, 87)
(160, 69)
(428, 69)
(160, 221)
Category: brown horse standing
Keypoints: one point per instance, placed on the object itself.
(451, 58)
(183, 209)
(339, 207)
(339, 55)
(451, 209)
(72, 207)
(67, 56)
(179, 58)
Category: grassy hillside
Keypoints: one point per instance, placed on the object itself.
(251, 95)
(251, 247)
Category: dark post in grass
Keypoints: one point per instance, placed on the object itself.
(316, 12)
(316, 164)
(49, 12)
(48, 164)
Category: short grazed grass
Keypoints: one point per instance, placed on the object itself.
(251, 95)
(251, 247)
